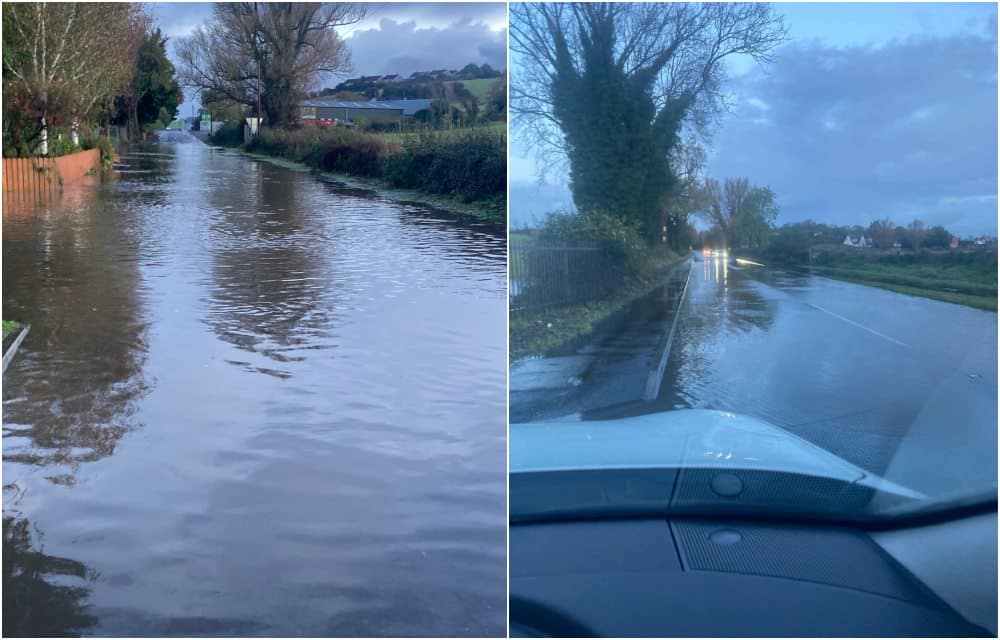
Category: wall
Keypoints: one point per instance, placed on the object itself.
(40, 174)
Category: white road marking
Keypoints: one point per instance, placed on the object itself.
(860, 326)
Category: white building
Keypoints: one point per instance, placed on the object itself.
(859, 241)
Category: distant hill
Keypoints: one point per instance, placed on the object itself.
(439, 83)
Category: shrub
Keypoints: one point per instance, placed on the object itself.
(61, 146)
(90, 140)
(468, 163)
(620, 238)
(363, 155)
(229, 134)
(789, 245)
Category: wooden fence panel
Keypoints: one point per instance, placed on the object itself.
(42, 174)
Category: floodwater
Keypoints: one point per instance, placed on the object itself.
(251, 403)
(876, 377)
(892, 383)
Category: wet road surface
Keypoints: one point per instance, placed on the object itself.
(251, 403)
(857, 370)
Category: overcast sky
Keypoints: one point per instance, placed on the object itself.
(393, 37)
(868, 111)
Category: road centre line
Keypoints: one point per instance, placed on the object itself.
(858, 325)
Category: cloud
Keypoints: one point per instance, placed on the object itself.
(849, 134)
(405, 47)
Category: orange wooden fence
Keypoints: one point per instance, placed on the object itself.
(42, 174)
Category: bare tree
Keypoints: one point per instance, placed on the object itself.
(743, 213)
(267, 55)
(881, 232)
(735, 193)
(608, 87)
(64, 61)
(915, 234)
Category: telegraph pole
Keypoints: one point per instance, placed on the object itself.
(256, 31)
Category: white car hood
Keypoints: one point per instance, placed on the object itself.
(688, 439)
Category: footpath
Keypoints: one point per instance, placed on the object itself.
(618, 365)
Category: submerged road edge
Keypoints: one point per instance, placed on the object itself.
(655, 377)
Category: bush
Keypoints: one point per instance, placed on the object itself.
(339, 149)
(789, 245)
(90, 140)
(363, 155)
(229, 134)
(61, 146)
(468, 163)
(619, 238)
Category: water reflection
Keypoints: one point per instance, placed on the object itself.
(43, 595)
(69, 270)
(290, 398)
(269, 289)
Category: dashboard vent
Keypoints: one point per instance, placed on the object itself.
(839, 557)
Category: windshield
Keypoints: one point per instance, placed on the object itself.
(779, 260)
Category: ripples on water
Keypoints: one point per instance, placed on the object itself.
(252, 403)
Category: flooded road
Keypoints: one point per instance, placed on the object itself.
(251, 403)
(863, 372)
(878, 378)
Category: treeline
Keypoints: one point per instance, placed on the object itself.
(467, 164)
(103, 63)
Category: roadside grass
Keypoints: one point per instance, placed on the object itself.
(928, 281)
(521, 239)
(489, 211)
(538, 333)
(9, 327)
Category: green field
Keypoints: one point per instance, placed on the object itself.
(480, 87)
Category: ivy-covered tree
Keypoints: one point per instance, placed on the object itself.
(609, 87)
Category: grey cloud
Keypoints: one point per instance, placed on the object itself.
(847, 135)
(405, 47)
(438, 13)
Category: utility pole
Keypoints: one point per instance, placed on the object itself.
(256, 31)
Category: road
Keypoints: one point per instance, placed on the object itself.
(855, 369)
(252, 403)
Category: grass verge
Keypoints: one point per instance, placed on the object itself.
(462, 171)
(541, 332)
(956, 292)
(9, 327)
(487, 210)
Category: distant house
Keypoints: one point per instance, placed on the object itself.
(421, 75)
(368, 79)
(953, 243)
(395, 77)
(857, 241)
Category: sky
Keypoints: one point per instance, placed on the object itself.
(867, 111)
(393, 37)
